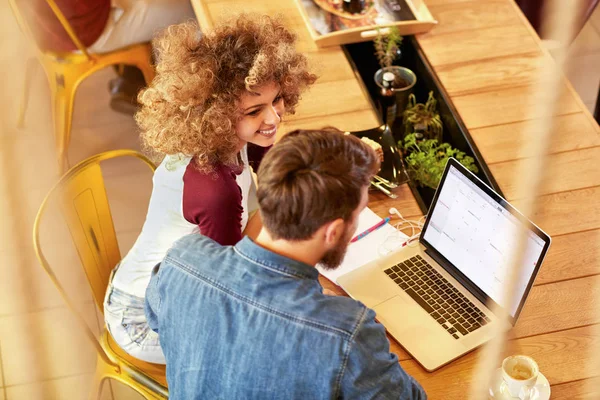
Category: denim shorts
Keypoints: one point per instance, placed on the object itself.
(126, 321)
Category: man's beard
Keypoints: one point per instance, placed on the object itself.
(334, 257)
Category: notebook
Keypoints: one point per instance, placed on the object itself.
(369, 248)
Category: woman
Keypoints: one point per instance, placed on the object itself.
(213, 110)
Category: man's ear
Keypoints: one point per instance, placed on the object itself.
(334, 231)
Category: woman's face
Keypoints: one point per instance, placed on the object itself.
(260, 115)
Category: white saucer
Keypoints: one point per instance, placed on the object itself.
(498, 389)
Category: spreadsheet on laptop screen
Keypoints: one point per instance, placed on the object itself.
(477, 235)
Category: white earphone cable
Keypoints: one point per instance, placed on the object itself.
(396, 239)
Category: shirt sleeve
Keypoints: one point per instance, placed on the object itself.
(213, 201)
(372, 371)
(87, 18)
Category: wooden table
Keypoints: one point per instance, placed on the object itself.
(484, 52)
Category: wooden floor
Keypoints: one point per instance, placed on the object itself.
(42, 355)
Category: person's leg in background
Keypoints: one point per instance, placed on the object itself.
(125, 87)
(534, 11)
(131, 22)
(137, 21)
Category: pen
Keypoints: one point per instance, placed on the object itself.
(371, 229)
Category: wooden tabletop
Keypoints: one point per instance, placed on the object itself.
(484, 52)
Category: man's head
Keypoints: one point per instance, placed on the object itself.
(312, 185)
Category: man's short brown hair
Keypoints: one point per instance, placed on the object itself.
(311, 177)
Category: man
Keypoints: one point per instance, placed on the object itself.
(251, 321)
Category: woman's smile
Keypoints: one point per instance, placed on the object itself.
(268, 132)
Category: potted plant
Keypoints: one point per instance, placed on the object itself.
(427, 159)
(395, 82)
(423, 119)
(387, 47)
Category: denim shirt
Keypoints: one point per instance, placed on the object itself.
(242, 322)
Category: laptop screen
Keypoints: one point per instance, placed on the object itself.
(475, 230)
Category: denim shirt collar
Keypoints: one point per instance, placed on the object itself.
(268, 259)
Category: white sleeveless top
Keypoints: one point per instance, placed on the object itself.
(165, 222)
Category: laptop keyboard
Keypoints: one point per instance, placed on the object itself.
(449, 307)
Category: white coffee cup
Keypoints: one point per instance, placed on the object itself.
(520, 374)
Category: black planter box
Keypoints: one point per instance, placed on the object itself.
(362, 59)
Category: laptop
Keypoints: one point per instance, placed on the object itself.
(431, 296)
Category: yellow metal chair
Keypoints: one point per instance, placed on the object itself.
(66, 70)
(83, 200)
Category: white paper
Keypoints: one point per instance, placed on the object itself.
(367, 249)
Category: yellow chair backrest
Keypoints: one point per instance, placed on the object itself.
(85, 206)
(66, 70)
(81, 195)
(88, 217)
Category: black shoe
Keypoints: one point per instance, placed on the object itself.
(123, 96)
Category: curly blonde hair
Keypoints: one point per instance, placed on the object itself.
(191, 106)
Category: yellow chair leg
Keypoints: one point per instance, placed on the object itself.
(102, 371)
(143, 391)
(96, 388)
(107, 371)
(63, 93)
(143, 62)
(29, 70)
(147, 71)
(147, 394)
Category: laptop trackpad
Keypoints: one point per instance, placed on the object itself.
(398, 314)
(412, 327)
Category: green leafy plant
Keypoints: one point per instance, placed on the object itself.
(387, 46)
(423, 118)
(427, 159)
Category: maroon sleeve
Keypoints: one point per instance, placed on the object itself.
(256, 154)
(87, 18)
(213, 202)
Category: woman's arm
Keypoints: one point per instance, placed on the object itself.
(253, 226)
(213, 202)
